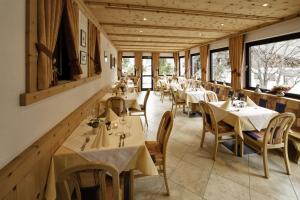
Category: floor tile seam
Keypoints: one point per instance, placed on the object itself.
(294, 188)
(209, 177)
(187, 189)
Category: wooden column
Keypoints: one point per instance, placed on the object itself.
(176, 61)
(119, 64)
(203, 59)
(187, 64)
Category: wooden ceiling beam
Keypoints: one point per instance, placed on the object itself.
(157, 9)
(159, 36)
(140, 26)
(146, 45)
(162, 42)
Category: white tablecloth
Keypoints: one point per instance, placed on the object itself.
(248, 118)
(192, 96)
(131, 99)
(134, 154)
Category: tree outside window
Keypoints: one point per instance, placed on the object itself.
(166, 66)
(220, 65)
(181, 66)
(128, 66)
(276, 63)
(195, 65)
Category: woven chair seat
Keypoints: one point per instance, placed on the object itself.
(154, 149)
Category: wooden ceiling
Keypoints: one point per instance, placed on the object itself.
(173, 25)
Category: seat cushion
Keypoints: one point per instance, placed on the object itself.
(224, 128)
(255, 135)
(155, 150)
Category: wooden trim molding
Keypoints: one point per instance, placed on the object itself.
(30, 98)
(25, 177)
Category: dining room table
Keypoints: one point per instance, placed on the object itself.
(121, 144)
(243, 118)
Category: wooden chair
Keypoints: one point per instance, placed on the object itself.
(211, 96)
(109, 185)
(275, 136)
(158, 148)
(117, 104)
(164, 91)
(143, 111)
(221, 130)
(136, 83)
(177, 101)
(263, 103)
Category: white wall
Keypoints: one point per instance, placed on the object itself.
(21, 126)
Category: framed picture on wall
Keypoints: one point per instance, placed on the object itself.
(83, 57)
(82, 38)
(111, 61)
(114, 62)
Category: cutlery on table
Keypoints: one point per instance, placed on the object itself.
(123, 137)
(87, 139)
(120, 139)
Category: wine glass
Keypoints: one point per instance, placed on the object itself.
(128, 127)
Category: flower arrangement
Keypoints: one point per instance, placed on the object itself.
(280, 90)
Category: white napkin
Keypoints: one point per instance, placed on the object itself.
(202, 88)
(111, 115)
(226, 105)
(101, 138)
(250, 102)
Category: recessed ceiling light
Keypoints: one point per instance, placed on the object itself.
(222, 24)
(145, 18)
(141, 31)
(265, 4)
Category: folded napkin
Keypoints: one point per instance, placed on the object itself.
(101, 139)
(111, 115)
(226, 105)
(250, 102)
(202, 88)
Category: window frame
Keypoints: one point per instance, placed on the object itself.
(179, 66)
(211, 66)
(248, 45)
(134, 67)
(191, 58)
(159, 66)
(32, 94)
(147, 57)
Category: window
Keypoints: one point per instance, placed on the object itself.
(147, 73)
(273, 62)
(181, 66)
(128, 66)
(195, 65)
(220, 69)
(166, 66)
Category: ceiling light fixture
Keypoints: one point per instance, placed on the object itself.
(222, 24)
(265, 4)
(141, 31)
(145, 19)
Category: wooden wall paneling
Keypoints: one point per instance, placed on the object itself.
(31, 39)
(25, 177)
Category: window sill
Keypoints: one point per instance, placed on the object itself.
(287, 97)
(30, 98)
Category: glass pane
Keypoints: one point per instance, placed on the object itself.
(182, 66)
(147, 82)
(166, 66)
(147, 69)
(128, 66)
(196, 66)
(276, 63)
(221, 70)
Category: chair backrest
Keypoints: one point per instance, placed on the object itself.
(211, 96)
(241, 95)
(146, 99)
(117, 104)
(230, 93)
(101, 172)
(278, 128)
(280, 107)
(173, 95)
(164, 130)
(212, 88)
(217, 90)
(209, 120)
(263, 103)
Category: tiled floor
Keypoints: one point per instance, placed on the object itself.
(193, 175)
